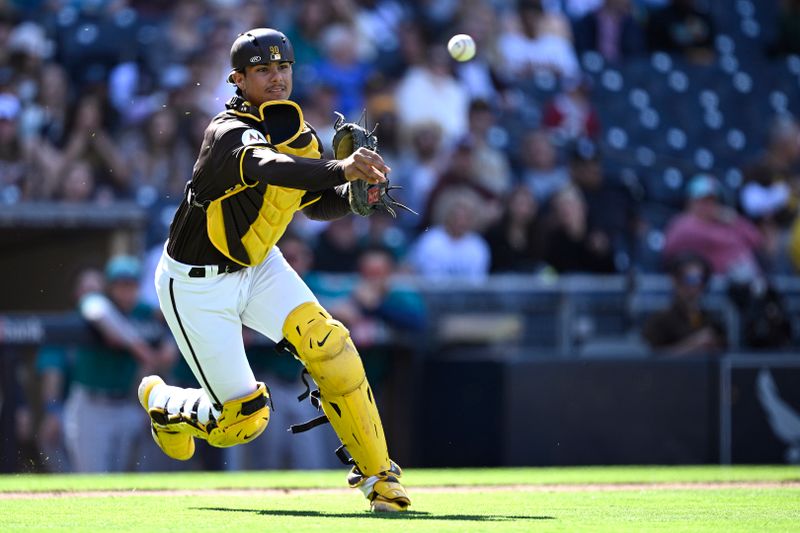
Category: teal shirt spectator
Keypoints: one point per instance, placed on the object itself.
(107, 370)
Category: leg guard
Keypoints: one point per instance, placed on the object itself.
(173, 428)
(323, 345)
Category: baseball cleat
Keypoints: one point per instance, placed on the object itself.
(389, 496)
(174, 444)
(384, 491)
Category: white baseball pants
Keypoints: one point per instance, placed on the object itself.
(206, 315)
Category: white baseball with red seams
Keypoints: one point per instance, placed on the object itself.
(461, 47)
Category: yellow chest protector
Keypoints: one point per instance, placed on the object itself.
(246, 222)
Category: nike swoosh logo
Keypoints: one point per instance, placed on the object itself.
(324, 340)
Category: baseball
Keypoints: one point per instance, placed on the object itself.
(461, 47)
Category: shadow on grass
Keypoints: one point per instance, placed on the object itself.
(408, 515)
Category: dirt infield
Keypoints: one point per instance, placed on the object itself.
(590, 487)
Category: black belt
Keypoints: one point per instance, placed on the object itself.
(227, 268)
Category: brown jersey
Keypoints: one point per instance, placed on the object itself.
(256, 168)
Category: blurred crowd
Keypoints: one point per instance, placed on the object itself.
(105, 101)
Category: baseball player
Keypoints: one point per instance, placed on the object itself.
(259, 163)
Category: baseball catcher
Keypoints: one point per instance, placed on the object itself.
(260, 162)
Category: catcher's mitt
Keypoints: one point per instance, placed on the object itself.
(365, 198)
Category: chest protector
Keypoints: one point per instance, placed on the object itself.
(246, 222)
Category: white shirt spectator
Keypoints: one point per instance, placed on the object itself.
(522, 56)
(438, 256)
(425, 96)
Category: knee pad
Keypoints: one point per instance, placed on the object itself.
(324, 346)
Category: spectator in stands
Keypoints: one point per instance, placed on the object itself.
(101, 414)
(770, 196)
(311, 19)
(541, 171)
(482, 75)
(570, 114)
(610, 30)
(379, 27)
(342, 69)
(338, 246)
(183, 34)
(489, 163)
(452, 249)
(382, 110)
(771, 192)
(43, 129)
(571, 244)
(787, 40)
(380, 310)
(708, 228)
(78, 184)
(317, 106)
(382, 231)
(460, 173)
(516, 240)
(45, 119)
(53, 368)
(538, 41)
(617, 225)
(90, 139)
(686, 328)
(682, 28)
(159, 158)
(13, 162)
(412, 51)
(423, 163)
(428, 92)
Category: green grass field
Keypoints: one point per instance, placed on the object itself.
(492, 500)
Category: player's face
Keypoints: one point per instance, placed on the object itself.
(264, 83)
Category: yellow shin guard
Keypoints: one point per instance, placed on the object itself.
(324, 346)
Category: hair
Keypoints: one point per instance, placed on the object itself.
(676, 264)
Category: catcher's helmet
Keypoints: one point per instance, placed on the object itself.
(259, 46)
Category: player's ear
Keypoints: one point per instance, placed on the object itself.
(238, 78)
